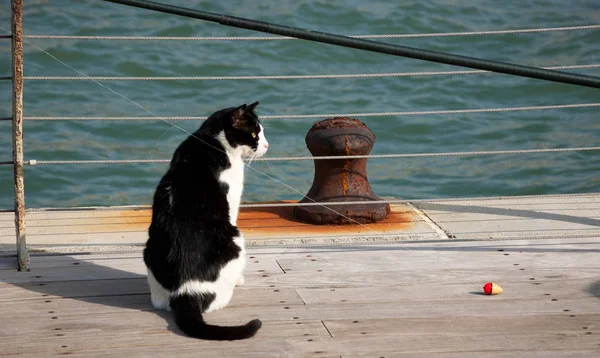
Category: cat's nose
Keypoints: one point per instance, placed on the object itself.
(266, 145)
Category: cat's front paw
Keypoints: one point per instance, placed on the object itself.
(240, 281)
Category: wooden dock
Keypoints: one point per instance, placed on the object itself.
(414, 291)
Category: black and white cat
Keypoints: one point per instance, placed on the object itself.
(195, 252)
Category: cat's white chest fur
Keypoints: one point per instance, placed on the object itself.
(234, 178)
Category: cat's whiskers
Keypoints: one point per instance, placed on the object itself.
(191, 134)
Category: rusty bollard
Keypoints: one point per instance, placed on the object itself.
(343, 179)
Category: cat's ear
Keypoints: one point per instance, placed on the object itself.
(238, 120)
(251, 107)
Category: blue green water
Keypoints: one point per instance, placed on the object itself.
(77, 185)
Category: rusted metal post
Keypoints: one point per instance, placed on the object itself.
(343, 179)
(17, 131)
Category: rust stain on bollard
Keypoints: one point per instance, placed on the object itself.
(346, 167)
(343, 179)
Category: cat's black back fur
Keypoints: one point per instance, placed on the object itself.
(190, 216)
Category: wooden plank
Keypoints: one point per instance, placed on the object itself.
(465, 325)
(474, 306)
(433, 345)
(477, 306)
(72, 289)
(475, 277)
(293, 349)
(485, 218)
(403, 260)
(331, 277)
(138, 329)
(52, 229)
(94, 272)
(365, 345)
(334, 277)
(449, 291)
(8, 263)
(429, 292)
(125, 302)
(101, 288)
(99, 335)
(506, 353)
(458, 263)
(134, 322)
(538, 247)
(125, 260)
(81, 306)
(285, 347)
(142, 333)
(97, 272)
(484, 253)
(534, 201)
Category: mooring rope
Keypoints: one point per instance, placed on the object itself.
(34, 162)
(329, 115)
(278, 77)
(382, 201)
(285, 38)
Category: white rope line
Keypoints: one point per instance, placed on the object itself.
(281, 38)
(391, 201)
(328, 115)
(283, 77)
(421, 155)
(383, 201)
(333, 157)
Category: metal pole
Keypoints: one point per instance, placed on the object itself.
(17, 130)
(367, 45)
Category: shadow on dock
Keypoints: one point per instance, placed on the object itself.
(81, 280)
(594, 289)
(509, 212)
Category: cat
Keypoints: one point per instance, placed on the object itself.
(195, 252)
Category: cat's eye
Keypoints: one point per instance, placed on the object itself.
(253, 135)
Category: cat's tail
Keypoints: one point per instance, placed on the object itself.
(188, 316)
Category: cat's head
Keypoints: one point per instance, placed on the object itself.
(244, 132)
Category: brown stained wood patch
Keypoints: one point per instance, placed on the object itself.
(89, 221)
(265, 222)
(255, 223)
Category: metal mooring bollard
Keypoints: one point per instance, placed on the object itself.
(341, 180)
